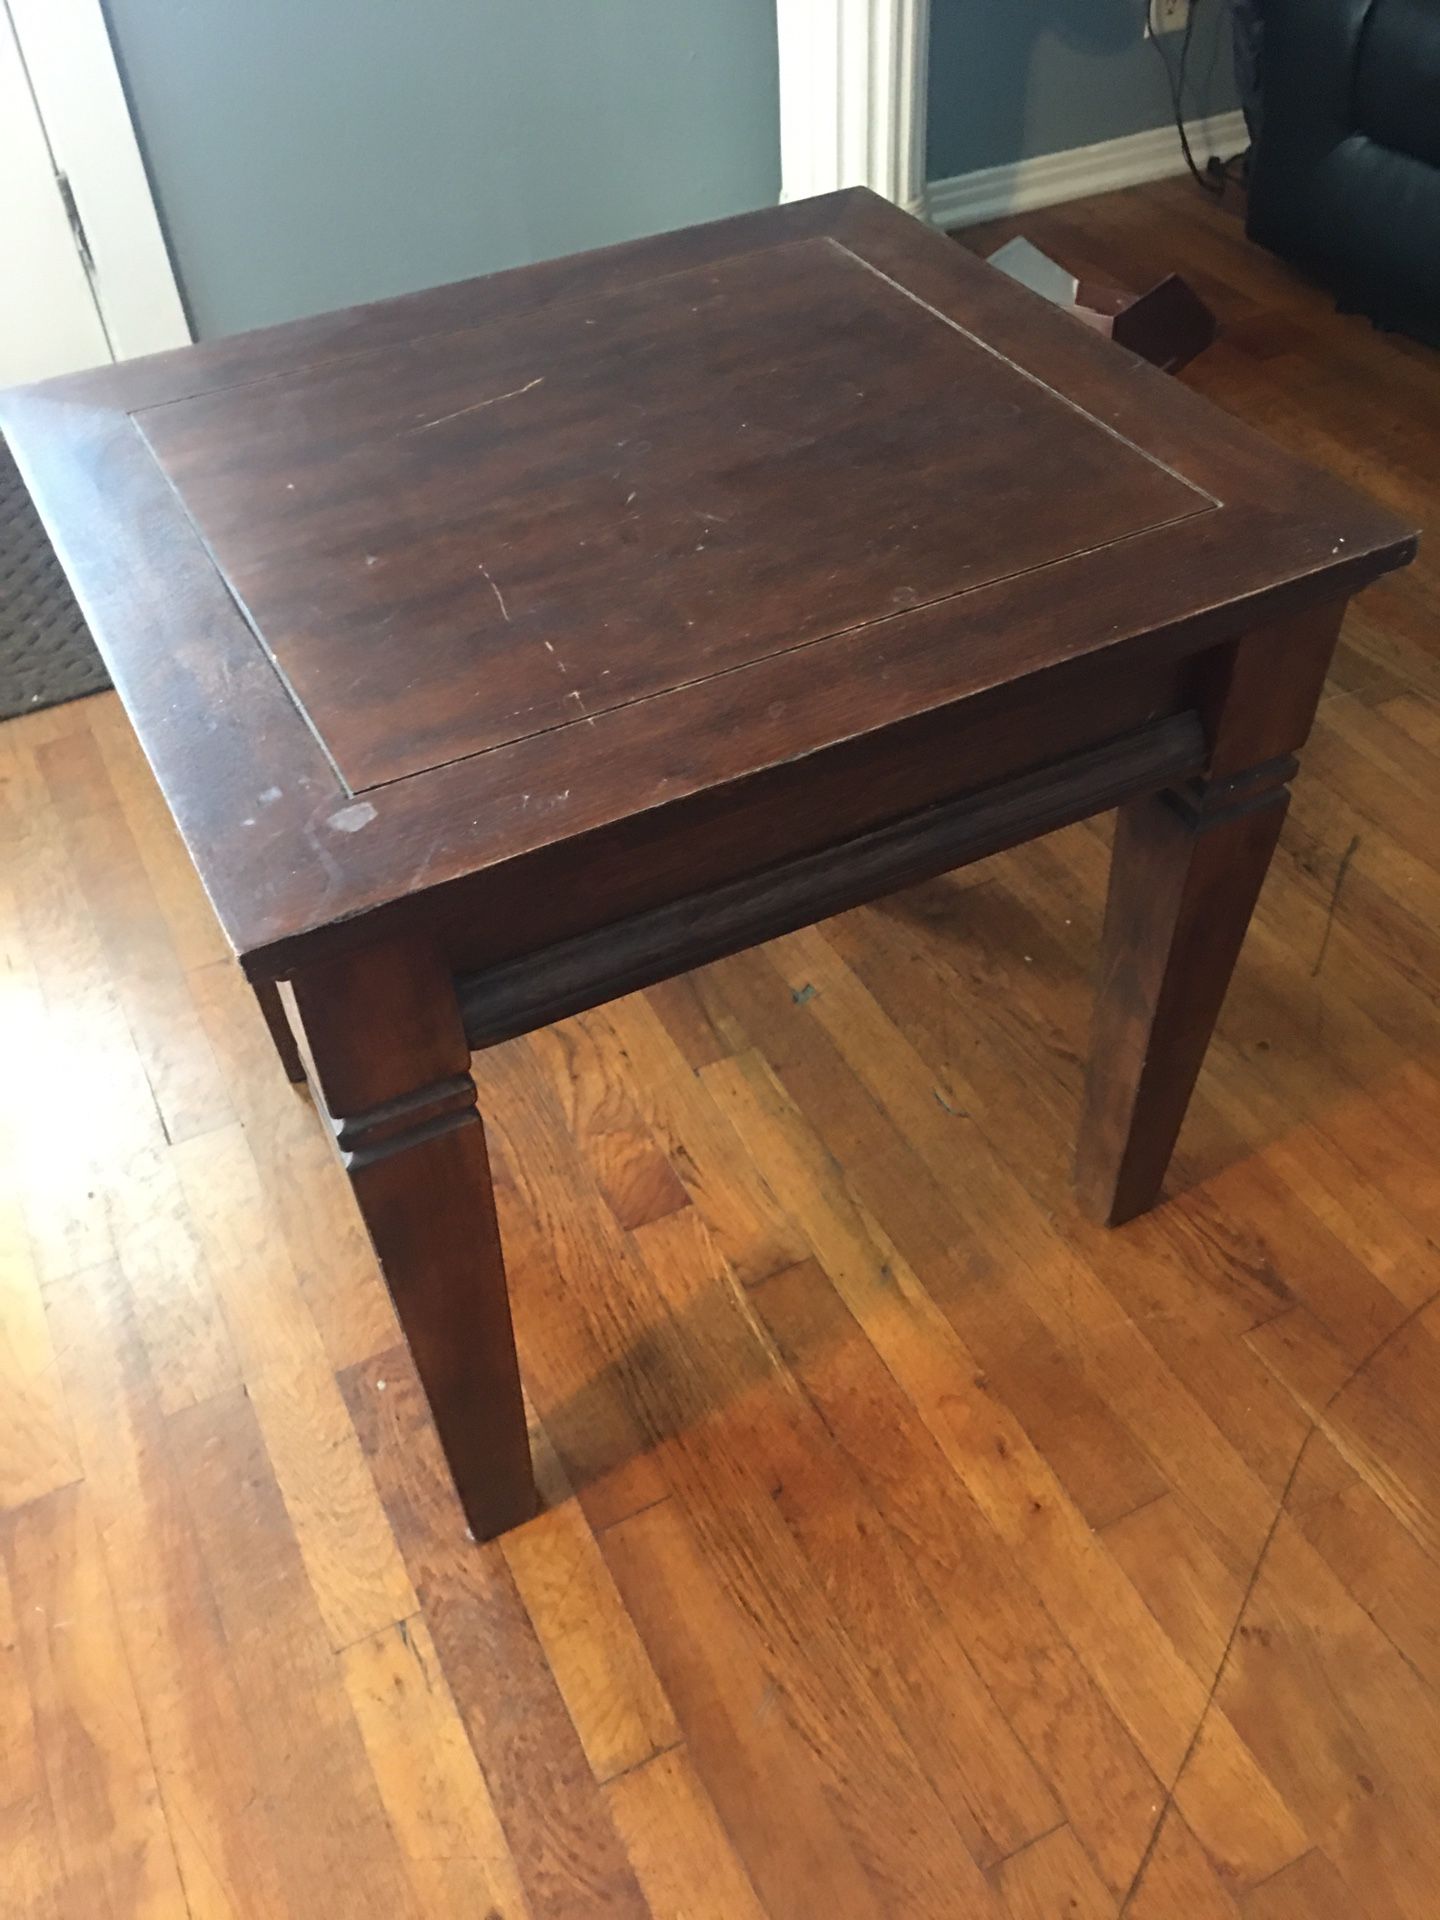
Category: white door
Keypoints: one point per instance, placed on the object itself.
(84, 275)
(49, 322)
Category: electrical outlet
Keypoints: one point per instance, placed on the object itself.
(1167, 16)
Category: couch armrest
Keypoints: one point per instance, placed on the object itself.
(1308, 65)
(1397, 84)
(1308, 68)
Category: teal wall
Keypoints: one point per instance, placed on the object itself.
(310, 153)
(1013, 78)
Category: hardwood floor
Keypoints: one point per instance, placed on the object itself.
(911, 1548)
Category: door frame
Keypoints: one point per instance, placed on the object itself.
(852, 97)
(66, 49)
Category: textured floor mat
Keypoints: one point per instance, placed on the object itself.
(46, 653)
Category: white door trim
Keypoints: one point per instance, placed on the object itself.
(67, 55)
(852, 97)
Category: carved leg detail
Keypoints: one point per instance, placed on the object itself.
(1188, 867)
(394, 1069)
(278, 1021)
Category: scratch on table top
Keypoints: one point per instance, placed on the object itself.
(499, 597)
(475, 406)
(422, 865)
(333, 875)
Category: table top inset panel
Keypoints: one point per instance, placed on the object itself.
(478, 535)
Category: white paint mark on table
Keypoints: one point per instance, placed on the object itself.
(352, 819)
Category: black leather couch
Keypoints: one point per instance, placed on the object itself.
(1345, 169)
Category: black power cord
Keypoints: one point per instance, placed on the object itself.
(1215, 175)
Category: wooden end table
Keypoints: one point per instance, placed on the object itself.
(503, 648)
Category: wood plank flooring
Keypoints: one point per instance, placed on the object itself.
(911, 1548)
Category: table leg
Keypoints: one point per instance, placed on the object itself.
(1186, 873)
(393, 1067)
(278, 1021)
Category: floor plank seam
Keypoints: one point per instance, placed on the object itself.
(1025, 1846)
(1168, 1803)
(173, 1811)
(623, 1519)
(1315, 1427)
(1341, 870)
(19, 1507)
(400, 1625)
(1141, 1506)
(636, 1766)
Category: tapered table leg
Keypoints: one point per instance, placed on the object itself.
(277, 1020)
(1186, 875)
(1186, 872)
(393, 1067)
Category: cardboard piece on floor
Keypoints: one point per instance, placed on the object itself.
(1168, 326)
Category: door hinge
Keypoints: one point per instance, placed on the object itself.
(77, 225)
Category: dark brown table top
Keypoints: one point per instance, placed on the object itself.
(406, 595)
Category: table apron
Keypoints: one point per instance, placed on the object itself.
(517, 995)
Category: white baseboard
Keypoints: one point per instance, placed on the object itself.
(966, 198)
